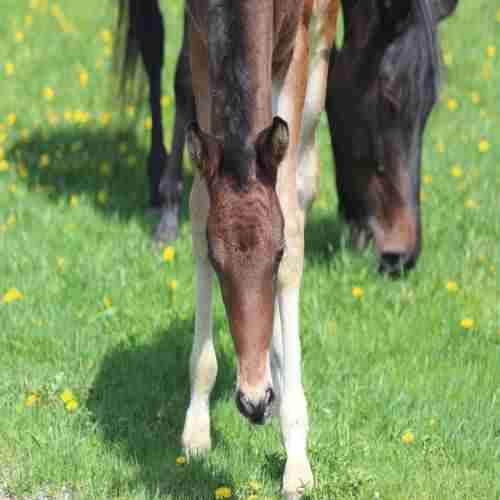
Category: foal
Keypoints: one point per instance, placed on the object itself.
(251, 60)
(382, 87)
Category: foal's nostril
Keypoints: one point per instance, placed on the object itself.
(395, 263)
(256, 411)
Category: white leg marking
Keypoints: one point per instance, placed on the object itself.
(196, 434)
(293, 411)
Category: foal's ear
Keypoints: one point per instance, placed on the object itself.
(272, 144)
(203, 149)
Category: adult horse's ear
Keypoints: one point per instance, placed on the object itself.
(203, 149)
(272, 144)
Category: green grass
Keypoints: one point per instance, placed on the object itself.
(395, 360)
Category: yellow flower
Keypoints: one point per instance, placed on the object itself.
(491, 51)
(44, 160)
(12, 188)
(102, 197)
(148, 123)
(408, 437)
(67, 396)
(107, 302)
(173, 285)
(48, 93)
(11, 119)
(68, 115)
(105, 118)
(19, 36)
(73, 200)
(223, 492)
(168, 254)
(475, 97)
(84, 78)
(180, 460)
(61, 264)
(427, 179)
(165, 100)
(9, 69)
(32, 399)
(11, 220)
(467, 323)
(456, 171)
(71, 405)
(484, 146)
(471, 204)
(452, 104)
(357, 292)
(105, 169)
(452, 286)
(255, 486)
(28, 20)
(106, 36)
(4, 166)
(448, 58)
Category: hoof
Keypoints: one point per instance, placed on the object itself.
(168, 227)
(298, 478)
(196, 445)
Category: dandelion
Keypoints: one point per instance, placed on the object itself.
(180, 460)
(471, 203)
(223, 492)
(11, 119)
(255, 486)
(467, 323)
(32, 399)
(491, 51)
(107, 302)
(408, 437)
(48, 93)
(12, 188)
(357, 292)
(19, 36)
(72, 405)
(102, 197)
(9, 69)
(148, 123)
(484, 146)
(475, 97)
(448, 58)
(44, 160)
(165, 100)
(168, 254)
(106, 36)
(173, 284)
(427, 179)
(452, 286)
(28, 20)
(67, 395)
(456, 171)
(105, 169)
(11, 295)
(4, 166)
(73, 200)
(84, 78)
(452, 104)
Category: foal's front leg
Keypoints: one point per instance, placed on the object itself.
(196, 435)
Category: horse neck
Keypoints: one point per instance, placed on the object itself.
(240, 60)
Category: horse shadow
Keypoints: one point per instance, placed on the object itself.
(106, 167)
(138, 401)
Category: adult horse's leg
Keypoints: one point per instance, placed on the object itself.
(196, 434)
(146, 33)
(171, 186)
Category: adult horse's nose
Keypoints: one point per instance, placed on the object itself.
(257, 410)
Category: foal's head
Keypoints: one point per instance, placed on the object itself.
(245, 245)
(384, 85)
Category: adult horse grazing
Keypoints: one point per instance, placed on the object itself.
(382, 86)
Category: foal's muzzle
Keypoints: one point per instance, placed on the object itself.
(256, 411)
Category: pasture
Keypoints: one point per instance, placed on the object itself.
(402, 377)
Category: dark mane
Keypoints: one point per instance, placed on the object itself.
(227, 47)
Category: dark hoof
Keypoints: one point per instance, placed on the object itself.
(168, 227)
(395, 264)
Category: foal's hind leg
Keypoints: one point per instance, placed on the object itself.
(171, 186)
(147, 25)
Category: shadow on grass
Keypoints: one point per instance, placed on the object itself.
(85, 162)
(325, 234)
(139, 399)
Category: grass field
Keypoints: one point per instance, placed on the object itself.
(404, 395)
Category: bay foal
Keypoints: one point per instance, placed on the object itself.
(259, 71)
